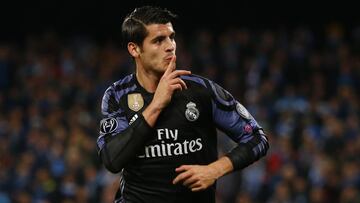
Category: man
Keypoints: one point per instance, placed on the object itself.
(159, 125)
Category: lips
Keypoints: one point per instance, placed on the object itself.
(168, 58)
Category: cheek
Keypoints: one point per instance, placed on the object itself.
(154, 58)
(153, 55)
(148, 57)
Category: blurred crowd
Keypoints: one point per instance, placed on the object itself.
(301, 84)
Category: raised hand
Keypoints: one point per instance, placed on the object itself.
(169, 82)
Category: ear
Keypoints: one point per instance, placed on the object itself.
(133, 49)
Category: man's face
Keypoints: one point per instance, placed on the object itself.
(158, 48)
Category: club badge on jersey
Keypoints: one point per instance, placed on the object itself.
(135, 101)
(191, 113)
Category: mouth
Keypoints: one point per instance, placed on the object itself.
(168, 58)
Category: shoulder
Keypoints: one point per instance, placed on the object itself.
(197, 79)
(197, 85)
(116, 91)
(121, 87)
(214, 88)
(220, 96)
(200, 80)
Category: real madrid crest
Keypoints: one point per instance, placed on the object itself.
(135, 101)
(191, 113)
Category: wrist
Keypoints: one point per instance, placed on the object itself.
(151, 113)
(155, 108)
(222, 167)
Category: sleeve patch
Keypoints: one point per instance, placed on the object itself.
(108, 125)
(242, 111)
(223, 94)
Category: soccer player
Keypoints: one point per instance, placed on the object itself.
(159, 123)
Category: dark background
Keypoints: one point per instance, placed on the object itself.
(299, 75)
(103, 18)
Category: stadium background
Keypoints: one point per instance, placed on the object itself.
(295, 65)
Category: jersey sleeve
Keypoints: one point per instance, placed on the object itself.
(119, 139)
(231, 117)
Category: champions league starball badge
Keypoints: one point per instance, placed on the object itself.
(191, 113)
(242, 111)
(108, 125)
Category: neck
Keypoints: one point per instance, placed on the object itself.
(148, 79)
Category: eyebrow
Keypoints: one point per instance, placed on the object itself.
(161, 37)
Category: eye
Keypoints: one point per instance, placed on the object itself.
(158, 41)
(172, 36)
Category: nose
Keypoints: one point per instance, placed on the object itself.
(170, 45)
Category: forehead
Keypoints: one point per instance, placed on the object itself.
(155, 30)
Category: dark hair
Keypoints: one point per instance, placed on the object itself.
(133, 27)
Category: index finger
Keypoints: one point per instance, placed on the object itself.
(171, 66)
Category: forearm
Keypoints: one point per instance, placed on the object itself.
(151, 113)
(247, 153)
(120, 149)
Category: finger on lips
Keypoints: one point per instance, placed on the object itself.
(171, 66)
